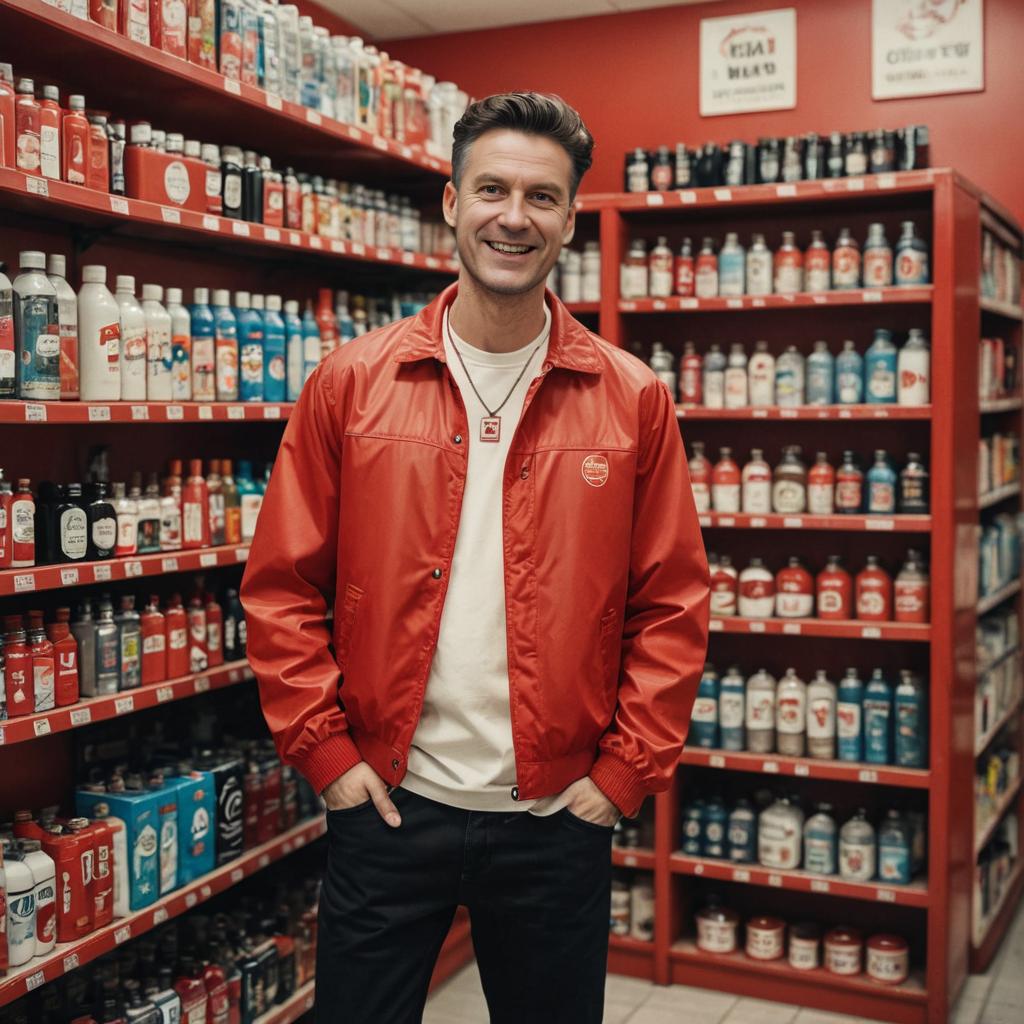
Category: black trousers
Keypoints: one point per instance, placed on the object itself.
(537, 890)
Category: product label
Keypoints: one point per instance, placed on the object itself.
(104, 533)
(788, 497)
(912, 267)
(73, 533)
(848, 494)
(831, 601)
(846, 267)
(821, 718)
(23, 522)
(760, 710)
(176, 182)
(759, 273)
(42, 679)
(877, 268)
(232, 192)
(49, 151)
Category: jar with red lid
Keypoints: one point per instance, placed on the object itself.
(766, 938)
(700, 477)
(821, 487)
(725, 483)
(716, 930)
(844, 951)
(834, 590)
(804, 946)
(849, 486)
(724, 587)
(888, 959)
(911, 603)
(794, 591)
(874, 592)
(756, 596)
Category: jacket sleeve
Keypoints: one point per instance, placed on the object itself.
(665, 633)
(289, 579)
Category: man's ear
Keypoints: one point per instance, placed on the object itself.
(570, 224)
(449, 203)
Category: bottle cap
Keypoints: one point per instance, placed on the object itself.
(193, 149)
(174, 296)
(258, 302)
(274, 303)
(6, 73)
(292, 307)
(32, 260)
(51, 92)
(141, 134)
(126, 283)
(154, 292)
(76, 103)
(56, 264)
(94, 274)
(242, 300)
(159, 139)
(221, 297)
(26, 86)
(201, 296)
(175, 142)
(210, 153)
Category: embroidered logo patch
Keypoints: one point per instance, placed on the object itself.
(595, 470)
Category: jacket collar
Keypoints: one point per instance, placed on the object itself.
(570, 345)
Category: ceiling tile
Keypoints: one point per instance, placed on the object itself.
(467, 15)
(379, 19)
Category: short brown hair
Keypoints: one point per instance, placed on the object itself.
(532, 113)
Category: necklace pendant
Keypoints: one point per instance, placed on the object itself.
(490, 428)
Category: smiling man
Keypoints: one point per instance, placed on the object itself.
(496, 502)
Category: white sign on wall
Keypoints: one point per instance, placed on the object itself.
(748, 62)
(926, 47)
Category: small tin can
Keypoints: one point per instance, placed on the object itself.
(805, 946)
(716, 930)
(766, 938)
(888, 959)
(844, 951)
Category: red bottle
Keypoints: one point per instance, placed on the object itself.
(26, 118)
(874, 593)
(691, 373)
(821, 487)
(98, 174)
(50, 116)
(65, 649)
(270, 808)
(273, 200)
(849, 486)
(72, 855)
(192, 992)
(725, 483)
(6, 509)
(794, 592)
(700, 477)
(724, 587)
(176, 631)
(327, 322)
(214, 632)
(101, 834)
(22, 519)
(154, 643)
(218, 1002)
(74, 142)
(685, 272)
(8, 132)
(104, 12)
(195, 509)
(198, 659)
(44, 663)
(834, 591)
(911, 603)
(18, 657)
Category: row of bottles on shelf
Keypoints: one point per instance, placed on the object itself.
(994, 873)
(1000, 269)
(883, 375)
(875, 723)
(792, 489)
(632, 906)
(998, 461)
(794, 593)
(773, 833)
(106, 347)
(230, 961)
(999, 685)
(791, 158)
(999, 553)
(576, 277)
(841, 951)
(101, 652)
(733, 271)
(995, 775)
(76, 523)
(269, 45)
(998, 369)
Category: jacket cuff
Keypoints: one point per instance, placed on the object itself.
(327, 760)
(619, 782)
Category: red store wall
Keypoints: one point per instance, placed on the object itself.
(634, 77)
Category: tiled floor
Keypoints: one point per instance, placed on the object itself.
(994, 998)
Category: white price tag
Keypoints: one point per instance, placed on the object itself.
(81, 716)
(854, 184)
(770, 767)
(68, 577)
(240, 227)
(264, 860)
(206, 892)
(867, 775)
(168, 565)
(716, 625)
(233, 87)
(793, 522)
(792, 628)
(655, 199)
(726, 520)
(871, 295)
(337, 246)
(716, 761)
(687, 198)
(35, 413)
(688, 303)
(208, 559)
(845, 414)
(123, 934)
(630, 860)
(164, 694)
(37, 186)
(24, 582)
(237, 875)
(871, 633)
(140, 412)
(758, 303)
(170, 215)
(354, 133)
(775, 881)
(287, 847)
(740, 875)
(313, 116)
(2, 740)
(819, 300)
(41, 726)
(660, 304)
(358, 249)
(802, 770)
(384, 254)
(175, 412)
(124, 705)
(407, 152)
(71, 963)
(757, 627)
(698, 869)
(300, 840)
(133, 568)
(885, 896)
(759, 414)
(881, 413)
(202, 685)
(159, 916)
(210, 222)
(316, 241)
(272, 412)
(408, 258)
(191, 899)
(102, 573)
(295, 238)
(704, 520)
(205, 412)
(758, 521)
(235, 676)
(236, 412)
(274, 101)
(886, 180)
(241, 554)
(785, 191)
(379, 142)
(118, 205)
(819, 885)
(34, 980)
(723, 195)
(272, 234)
(880, 524)
(734, 303)
(99, 413)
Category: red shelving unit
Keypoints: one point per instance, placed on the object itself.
(14, 411)
(852, 524)
(838, 629)
(857, 297)
(808, 412)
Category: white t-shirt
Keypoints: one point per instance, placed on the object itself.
(462, 753)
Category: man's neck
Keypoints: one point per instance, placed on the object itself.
(496, 323)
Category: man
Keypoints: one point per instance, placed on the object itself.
(497, 504)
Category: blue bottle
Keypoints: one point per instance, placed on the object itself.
(878, 720)
(204, 384)
(293, 349)
(693, 829)
(911, 260)
(716, 822)
(310, 342)
(704, 718)
(849, 376)
(849, 718)
(346, 325)
(250, 349)
(36, 331)
(894, 850)
(821, 844)
(732, 700)
(274, 334)
(880, 369)
(742, 836)
(820, 375)
(881, 483)
(250, 498)
(911, 716)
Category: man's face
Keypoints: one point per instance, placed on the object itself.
(511, 213)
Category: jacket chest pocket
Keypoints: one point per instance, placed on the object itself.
(344, 626)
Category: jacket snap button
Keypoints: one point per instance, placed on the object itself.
(515, 792)
(457, 439)
(395, 763)
(437, 574)
(524, 473)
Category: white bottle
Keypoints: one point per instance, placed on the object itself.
(731, 267)
(821, 716)
(133, 341)
(99, 338)
(44, 876)
(761, 376)
(756, 596)
(571, 267)
(780, 836)
(293, 354)
(759, 267)
(67, 318)
(914, 370)
(181, 347)
(661, 266)
(158, 344)
(591, 290)
(736, 378)
(791, 714)
(761, 713)
(757, 484)
(21, 906)
(127, 510)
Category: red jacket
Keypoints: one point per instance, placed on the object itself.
(606, 582)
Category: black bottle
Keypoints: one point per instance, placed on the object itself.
(102, 523)
(662, 171)
(71, 526)
(792, 159)
(913, 147)
(814, 156)
(710, 166)
(684, 167)
(48, 497)
(914, 486)
(234, 627)
(231, 182)
(769, 161)
(882, 155)
(856, 158)
(252, 189)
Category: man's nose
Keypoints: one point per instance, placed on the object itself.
(514, 214)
